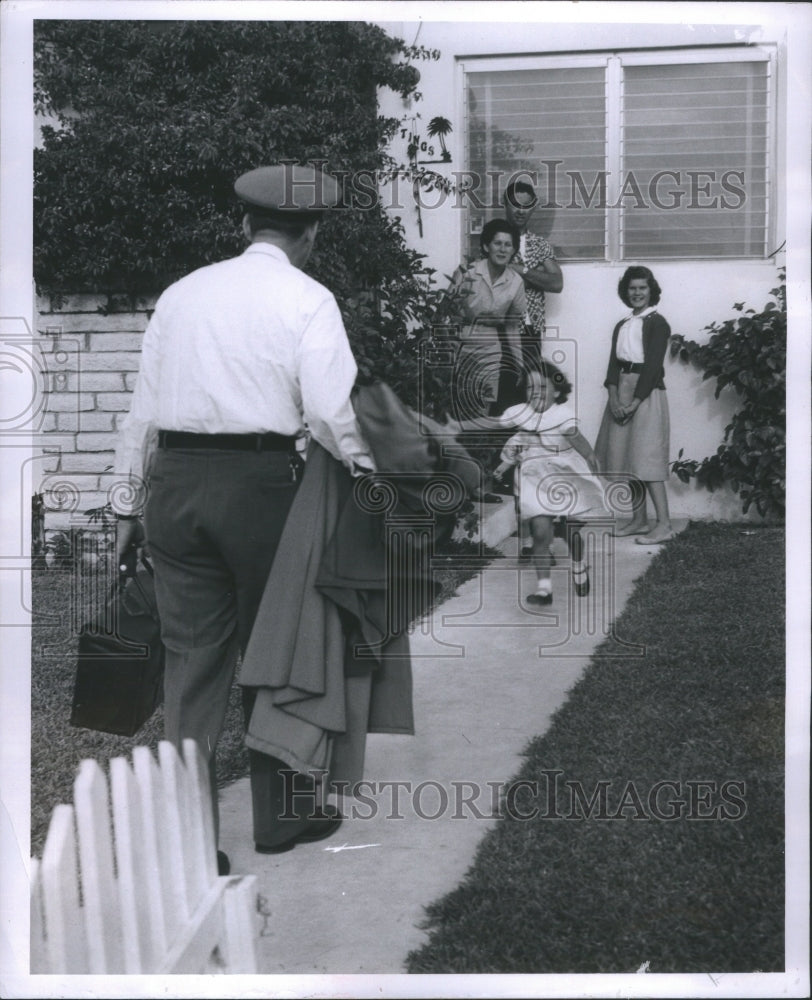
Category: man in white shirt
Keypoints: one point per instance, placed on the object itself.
(238, 360)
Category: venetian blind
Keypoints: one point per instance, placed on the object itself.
(637, 156)
(695, 141)
(551, 121)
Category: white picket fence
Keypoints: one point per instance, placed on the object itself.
(128, 878)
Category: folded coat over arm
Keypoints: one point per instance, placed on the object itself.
(329, 652)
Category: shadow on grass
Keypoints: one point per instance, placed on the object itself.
(658, 791)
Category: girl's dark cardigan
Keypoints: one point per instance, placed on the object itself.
(656, 332)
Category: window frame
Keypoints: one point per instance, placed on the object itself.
(614, 60)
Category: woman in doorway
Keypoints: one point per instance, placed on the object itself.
(489, 300)
(634, 435)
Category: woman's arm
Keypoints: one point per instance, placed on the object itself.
(510, 456)
(518, 304)
(583, 447)
(615, 408)
(656, 332)
(612, 379)
(613, 368)
(514, 322)
(483, 423)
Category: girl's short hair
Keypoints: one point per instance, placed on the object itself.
(495, 226)
(554, 376)
(638, 271)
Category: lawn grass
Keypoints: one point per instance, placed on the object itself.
(704, 704)
(61, 602)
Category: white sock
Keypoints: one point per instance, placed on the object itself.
(544, 586)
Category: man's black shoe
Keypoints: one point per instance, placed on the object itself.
(223, 864)
(319, 829)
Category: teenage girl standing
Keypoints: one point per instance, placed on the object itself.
(634, 435)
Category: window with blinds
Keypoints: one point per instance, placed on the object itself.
(535, 122)
(695, 138)
(636, 155)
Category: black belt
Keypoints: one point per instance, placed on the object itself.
(630, 367)
(230, 442)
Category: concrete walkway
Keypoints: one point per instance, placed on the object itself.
(489, 673)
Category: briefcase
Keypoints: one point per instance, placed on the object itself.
(120, 663)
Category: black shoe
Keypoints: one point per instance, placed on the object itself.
(223, 864)
(488, 498)
(580, 581)
(283, 848)
(539, 598)
(319, 829)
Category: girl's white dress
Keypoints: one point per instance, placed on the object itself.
(553, 478)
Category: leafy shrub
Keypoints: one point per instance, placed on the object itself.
(749, 354)
(156, 119)
(133, 186)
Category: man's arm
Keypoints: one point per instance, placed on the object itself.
(547, 277)
(136, 443)
(544, 274)
(327, 372)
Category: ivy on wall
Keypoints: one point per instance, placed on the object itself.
(152, 122)
(747, 353)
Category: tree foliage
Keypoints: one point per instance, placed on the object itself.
(747, 353)
(154, 120)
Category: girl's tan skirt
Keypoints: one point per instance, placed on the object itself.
(639, 448)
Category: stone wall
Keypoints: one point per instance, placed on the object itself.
(90, 360)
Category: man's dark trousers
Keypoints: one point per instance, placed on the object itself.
(213, 522)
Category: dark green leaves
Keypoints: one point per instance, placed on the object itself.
(157, 118)
(749, 355)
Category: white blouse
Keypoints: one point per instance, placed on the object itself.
(630, 337)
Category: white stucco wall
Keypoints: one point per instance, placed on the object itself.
(695, 293)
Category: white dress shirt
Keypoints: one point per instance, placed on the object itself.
(244, 346)
(630, 337)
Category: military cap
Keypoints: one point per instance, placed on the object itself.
(288, 188)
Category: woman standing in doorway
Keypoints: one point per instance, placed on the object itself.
(634, 436)
(491, 302)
